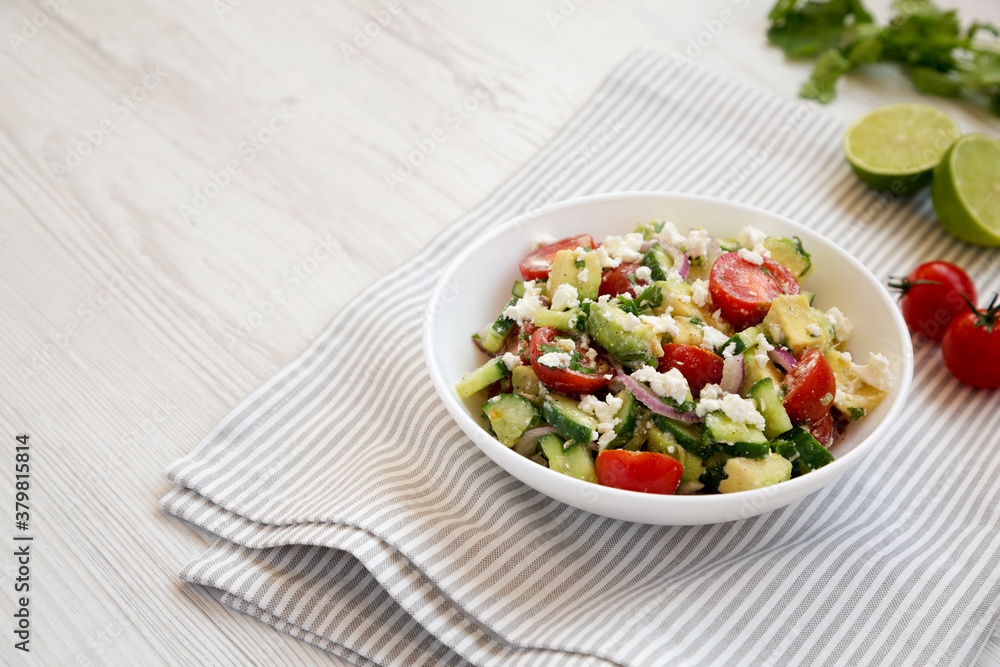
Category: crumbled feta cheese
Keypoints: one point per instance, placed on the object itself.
(699, 292)
(669, 234)
(875, 372)
(524, 309)
(847, 357)
(742, 410)
(621, 249)
(644, 274)
(712, 338)
(763, 347)
(511, 361)
(604, 299)
(604, 412)
(543, 240)
(630, 322)
(751, 256)
(776, 333)
(582, 275)
(661, 324)
(717, 316)
(750, 237)
(555, 359)
(843, 328)
(730, 351)
(696, 243)
(683, 298)
(709, 400)
(591, 354)
(671, 384)
(567, 344)
(579, 252)
(814, 330)
(565, 297)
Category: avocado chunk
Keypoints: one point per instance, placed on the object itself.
(566, 271)
(854, 397)
(792, 322)
(790, 254)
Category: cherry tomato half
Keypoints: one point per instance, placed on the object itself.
(698, 366)
(648, 472)
(744, 290)
(810, 388)
(928, 308)
(537, 264)
(971, 347)
(616, 281)
(566, 380)
(823, 429)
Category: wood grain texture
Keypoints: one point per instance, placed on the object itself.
(131, 326)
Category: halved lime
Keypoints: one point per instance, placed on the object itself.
(966, 190)
(895, 148)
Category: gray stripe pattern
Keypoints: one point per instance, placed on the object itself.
(354, 514)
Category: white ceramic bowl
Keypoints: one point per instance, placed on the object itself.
(475, 288)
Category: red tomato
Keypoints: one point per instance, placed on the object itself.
(537, 264)
(566, 380)
(519, 341)
(648, 472)
(615, 281)
(971, 347)
(810, 388)
(823, 429)
(698, 366)
(932, 297)
(744, 291)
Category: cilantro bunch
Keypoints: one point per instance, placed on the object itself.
(929, 43)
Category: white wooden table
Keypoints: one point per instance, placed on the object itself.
(191, 190)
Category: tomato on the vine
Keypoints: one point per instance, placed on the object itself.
(971, 346)
(932, 296)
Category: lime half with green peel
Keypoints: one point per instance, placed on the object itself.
(966, 190)
(895, 148)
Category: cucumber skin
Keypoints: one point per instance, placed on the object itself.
(776, 419)
(516, 415)
(804, 451)
(577, 427)
(482, 377)
(658, 262)
(574, 461)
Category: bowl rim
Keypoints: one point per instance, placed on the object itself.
(496, 451)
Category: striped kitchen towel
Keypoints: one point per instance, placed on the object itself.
(353, 513)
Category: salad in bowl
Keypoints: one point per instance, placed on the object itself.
(671, 363)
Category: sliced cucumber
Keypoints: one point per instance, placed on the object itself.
(765, 395)
(729, 245)
(688, 436)
(790, 254)
(482, 377)
(804, 451)
(663, 442)
(746, 474)
(607, 325)
(631, 421)
(491, 337)
(658, 261)
(564, 413)
(742, 341)
(571, 321)
(526, 383)
(510, 416)
(693, 468)
(575, 460)
(737, 439)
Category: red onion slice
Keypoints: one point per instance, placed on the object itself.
(783, 358)
(525, 446)
(732, 374)
(648, 397)
(681, 263)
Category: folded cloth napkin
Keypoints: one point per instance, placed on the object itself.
(353, 513)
